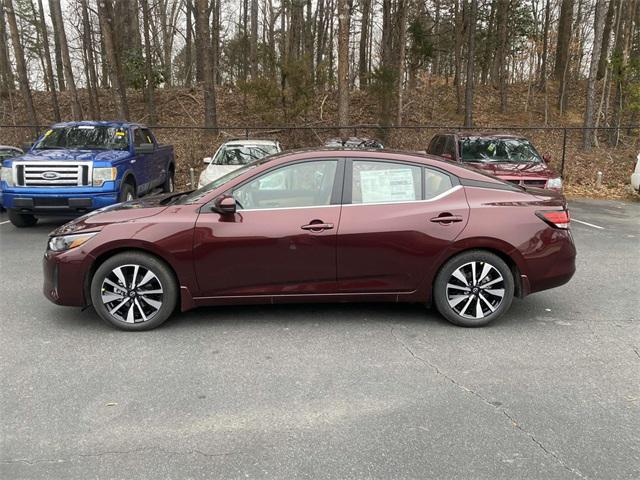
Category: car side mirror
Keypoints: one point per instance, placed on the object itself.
(448, 156)
(26, 147)
(547, 158)
(145, 148)
(224, 205)
(207, 160)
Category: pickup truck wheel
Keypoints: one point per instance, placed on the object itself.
(134, 291)
(22, 220)
(169, 183)
(127, 192)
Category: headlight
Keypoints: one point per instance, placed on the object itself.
(101, 175)
(67, 242)
(7, 175)
(554, 183)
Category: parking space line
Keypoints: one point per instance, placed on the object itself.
(6, 221)
(587, 224)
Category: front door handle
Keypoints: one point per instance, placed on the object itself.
(446, 218)
(317, 226)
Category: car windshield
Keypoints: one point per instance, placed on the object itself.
(201, 192)
(84, 137)
(477, 149)
(242, 154)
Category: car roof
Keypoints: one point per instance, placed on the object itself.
(250, 141)
(98, 123)
(9, 147)
(488, 135)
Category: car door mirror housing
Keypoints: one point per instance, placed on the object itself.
(207, 160)
(225, 205)
(547, 158)
(26, 147)
(145, 148)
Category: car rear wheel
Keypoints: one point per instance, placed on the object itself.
(134, 291)
(22, 220)
(473, 288)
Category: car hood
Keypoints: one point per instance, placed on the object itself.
(213, 172)
(118, 213)
(73, 155)
(516, 170)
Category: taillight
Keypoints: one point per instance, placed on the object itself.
(555, 218)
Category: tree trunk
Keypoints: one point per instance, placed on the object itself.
(545, 47)
(606, 39)
(502, 18)
(7, 82)
(598, 26)
(209, 89)
(564, 40)
(188, 60)
(363, 72)
(148, 66)
(58, 49)
(253, 46)
(20, 63)
(471, 51)
(92, 79)
(105, 13)
(76, 107)
(47, 56)
(402, 45)
(457, 52)
(343, 64)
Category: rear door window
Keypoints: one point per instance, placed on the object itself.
(385, 182)
(435, 183)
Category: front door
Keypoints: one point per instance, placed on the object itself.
(281, 240)
(397, 219)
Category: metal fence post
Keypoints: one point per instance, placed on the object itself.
(564, 151)
(192, 177)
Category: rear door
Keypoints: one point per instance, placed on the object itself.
(282, 239)
(396, 220)
(142, 164)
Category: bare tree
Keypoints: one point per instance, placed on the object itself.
(598, 26)
(402, 46)
(363, 60)
(209, 89)
(471, 50)
(343, 63)
(20, 63)
(148, 65)
(58, 48)
(105, 14)
(47, 57)
(7, 82)
(76, 107)
(253, 45)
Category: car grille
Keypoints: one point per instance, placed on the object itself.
(50, 174)
(530, 183)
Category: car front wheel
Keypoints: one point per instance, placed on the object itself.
(134, 291)
(22, 220)
(473, 288)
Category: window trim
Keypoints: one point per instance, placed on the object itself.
(335, 199)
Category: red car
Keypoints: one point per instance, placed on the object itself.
(509, 157)
(318, 226)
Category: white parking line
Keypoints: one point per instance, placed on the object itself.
(587, 223)
(6, 221)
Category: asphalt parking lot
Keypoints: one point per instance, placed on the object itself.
(552, 390)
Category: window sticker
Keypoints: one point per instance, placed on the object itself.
(47, 133)
(393, 185)
(86, 127)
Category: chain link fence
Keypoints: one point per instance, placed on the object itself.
(563, 145)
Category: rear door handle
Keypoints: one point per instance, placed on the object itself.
(447, 219)
(317, 227)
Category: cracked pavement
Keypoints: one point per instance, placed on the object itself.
(551, 391)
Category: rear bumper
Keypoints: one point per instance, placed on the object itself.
(554, 266)
(47, 204)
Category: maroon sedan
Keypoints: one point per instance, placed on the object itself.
(509, 157)
(318, 226)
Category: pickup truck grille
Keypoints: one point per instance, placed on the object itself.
(50, 174)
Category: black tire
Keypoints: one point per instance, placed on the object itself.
(22, 220)
(127, 262)
(169, 183)
(488, 298)
(127, 192)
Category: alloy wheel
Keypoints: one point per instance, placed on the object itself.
(132, 293)
(475, 290)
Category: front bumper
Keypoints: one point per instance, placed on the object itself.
(635, 181)
(64, 277)
(57, 204)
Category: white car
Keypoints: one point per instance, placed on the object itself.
(635, 176)
(234, 154)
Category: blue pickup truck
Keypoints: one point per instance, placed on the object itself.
(77, 167)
